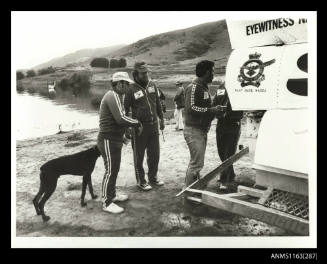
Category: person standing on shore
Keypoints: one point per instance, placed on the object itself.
(162, 99)
(198, 117)
(228, 131)
(143, 99)
(112, 123)
(179, 103)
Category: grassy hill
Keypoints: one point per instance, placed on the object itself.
(180, 47)
(171, 56)
(79, 57)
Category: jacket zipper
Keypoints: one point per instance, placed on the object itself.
(146, 96)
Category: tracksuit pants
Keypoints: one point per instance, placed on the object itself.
(196, 140)
(111, 154)
(227, 137)
(148, 141)
(178, 115)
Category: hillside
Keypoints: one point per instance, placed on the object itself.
(185, 46)
(80, 56)
(179, 48)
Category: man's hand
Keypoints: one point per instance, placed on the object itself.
(129, 133)
(219, 109)
(162, 124)
(139, 129)
(163, 107)
(125, 140)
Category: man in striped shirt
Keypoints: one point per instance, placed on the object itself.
(113, 123)
(199, 114)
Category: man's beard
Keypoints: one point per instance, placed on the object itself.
(142, 82)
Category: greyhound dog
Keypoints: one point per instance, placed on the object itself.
(81, 163)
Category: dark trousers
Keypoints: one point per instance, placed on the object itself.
(111, 154)
(227, 137)
(149, 141)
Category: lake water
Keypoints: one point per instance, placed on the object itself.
(35, 115)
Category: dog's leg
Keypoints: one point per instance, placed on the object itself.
(48, 192)
(36, 200)
(38, 195)
(83, 190)
(94, 196)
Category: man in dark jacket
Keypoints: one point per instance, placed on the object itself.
(228, 132)
(198, 116)
(113, 123)
(143, 99)
(179, 102)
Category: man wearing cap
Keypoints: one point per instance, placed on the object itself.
(143, 99)
(228, 131)
(112, 123)
(179, 102)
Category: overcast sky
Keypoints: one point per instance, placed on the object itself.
(40, 36)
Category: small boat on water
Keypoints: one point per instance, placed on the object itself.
(51, 89)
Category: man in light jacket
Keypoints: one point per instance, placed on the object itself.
(113, 123)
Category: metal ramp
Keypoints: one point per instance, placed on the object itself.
(284, 209)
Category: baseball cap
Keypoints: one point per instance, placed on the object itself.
(178, 83)
(141, 66)
(121, 76)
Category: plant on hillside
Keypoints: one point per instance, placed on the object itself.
(19, 75)
(100, 63)
(118, 63)
(46, 70)
(30, 73)
(114, 63)
(122, 62)
(78, 83)
(64, 84)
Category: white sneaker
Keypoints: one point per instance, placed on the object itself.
(120, 197)
(145, 186)
(222, 187)
(157, 182)
(113, 208)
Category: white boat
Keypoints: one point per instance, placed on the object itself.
(51, 88)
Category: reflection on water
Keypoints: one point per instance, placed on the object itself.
(36, 116)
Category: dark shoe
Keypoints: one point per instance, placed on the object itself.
(196, 177)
